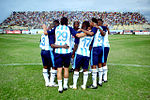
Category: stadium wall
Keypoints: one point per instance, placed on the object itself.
(130, 32)
(32, 31)
(1, 31)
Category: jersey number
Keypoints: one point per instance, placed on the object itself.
(62, 36)
(43, 41)
(86, 42)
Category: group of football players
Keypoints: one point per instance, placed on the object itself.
(60, 44)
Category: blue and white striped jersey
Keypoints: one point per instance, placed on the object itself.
(105, 38)
(44, 43)
(62, 37)
(83, 45)
(106, 41)
(98, 39)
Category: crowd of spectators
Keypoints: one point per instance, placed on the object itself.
(35, 19)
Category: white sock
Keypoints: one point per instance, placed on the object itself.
(94, 77)
(65, 82)
(53, 75)
(60, 85)
(100, 72)
(85, 78)
(75, 78)
(45, 75)
(105, 70)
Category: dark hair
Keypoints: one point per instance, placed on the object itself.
(76, 22)
(100, 20)
(64, 21)
(94, 20)
(56, 21)
(86, 24)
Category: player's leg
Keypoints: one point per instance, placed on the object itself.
(85, 72)
(100, 69)
(100, 74)
(66, 76)
(94, 63)
(105, 68)
(75, 79)
(77, 63)
(59, 79)
(46, 75)
(53, 71)
(85, 78)
(66, 61)
(58, 65)
(45, 67)
(72, 62)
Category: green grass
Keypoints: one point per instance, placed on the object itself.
(25, 82)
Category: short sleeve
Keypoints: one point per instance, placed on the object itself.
(94, 30)
(72, 31)
(104, 28)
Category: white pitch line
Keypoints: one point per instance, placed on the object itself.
(113, 64)
(132, 65)
(19, 64)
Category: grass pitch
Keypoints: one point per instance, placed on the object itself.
(125, 79)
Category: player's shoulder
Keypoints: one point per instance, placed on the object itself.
(104, 28)
(57, 27)
(43, 35)
(94, 29)
(70, 27)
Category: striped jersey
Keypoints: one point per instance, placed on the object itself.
(83, 45)
(98, 39)
(105, 38)
(44, 43)
(62, 37)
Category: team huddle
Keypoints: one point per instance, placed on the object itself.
(88, 44)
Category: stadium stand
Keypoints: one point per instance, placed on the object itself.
(35, 19)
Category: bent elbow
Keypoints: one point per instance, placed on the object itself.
(92, 34)
(45, 33)
(52, 46)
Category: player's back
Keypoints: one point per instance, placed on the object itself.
(83, 46)
(98, 39)
(44, 42)
(105, 38)
(62, 37)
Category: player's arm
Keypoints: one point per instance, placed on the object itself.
(52, 42)
(74, 50)
(46, 32)
(91, 33)
(79, 35)
(75, 46)
(45, 29)
(91, 45)
(87, 32)
(76, 34)
(59, 46)
(108, 30)
(101, 31)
